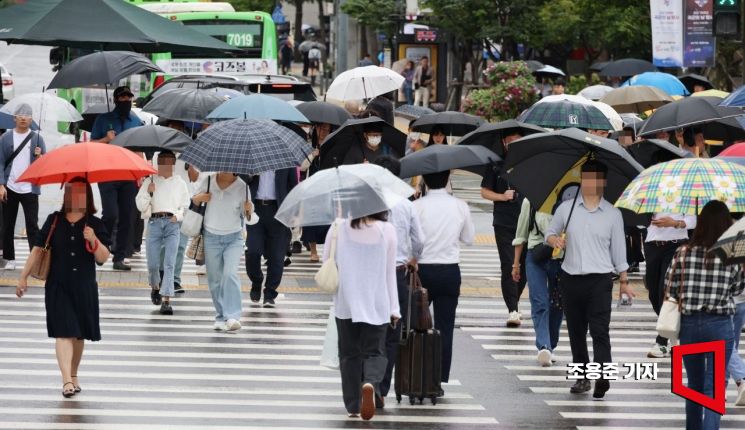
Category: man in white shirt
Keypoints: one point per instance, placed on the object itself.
(18, 149)
(446, 221)
(164, 198)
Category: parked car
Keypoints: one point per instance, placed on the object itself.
(8, 91)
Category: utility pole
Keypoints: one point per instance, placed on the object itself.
(342, 33)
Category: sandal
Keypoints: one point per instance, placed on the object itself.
(77, 387)
(315, 259)
(68, 392)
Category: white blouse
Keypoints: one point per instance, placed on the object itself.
(224, 214)
(366, 259)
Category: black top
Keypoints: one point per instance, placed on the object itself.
(505, 213)
(361, 153)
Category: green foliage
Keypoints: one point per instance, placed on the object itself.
(375, 14)
(251, 5)
(513, 89)
(580, 82)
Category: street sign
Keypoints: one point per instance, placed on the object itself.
(426, 35)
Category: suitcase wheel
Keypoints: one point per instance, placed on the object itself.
(412, 400)
(434, 400)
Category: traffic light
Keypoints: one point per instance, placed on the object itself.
(727, 18)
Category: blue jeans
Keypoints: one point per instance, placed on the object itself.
(222, 254)
(703, 327)
(542, 278)
(409, 92)
(179, 264)
(162, 232)
(736, 365)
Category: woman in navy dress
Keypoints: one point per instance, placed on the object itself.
(78, 241)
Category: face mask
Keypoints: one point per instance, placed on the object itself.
(414, 136)
(374, 141)
(306, 129)
(123, 107)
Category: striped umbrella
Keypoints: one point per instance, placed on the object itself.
(684, 186)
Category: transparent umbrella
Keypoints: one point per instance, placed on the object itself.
(351, 191)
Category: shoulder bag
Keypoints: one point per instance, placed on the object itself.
(194, 218)
(18, 150)
(668, 323)
(40, 268)
(541, 252)
(327, 277)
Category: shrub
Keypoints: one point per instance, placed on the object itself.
(513, 89)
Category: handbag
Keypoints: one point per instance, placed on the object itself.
(40, 268)
(420, 318)
(194, 218)
(668, 322)
(327, 277)
(541, 252)
(196, 248)
(330, 351)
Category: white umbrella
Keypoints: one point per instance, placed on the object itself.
(350, 191)
(565, 97)
(45, 106)
(364, 83)
(550, 70)
(615, 119)
(595, 92)
(146, 117)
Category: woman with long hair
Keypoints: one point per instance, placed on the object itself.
(437, 136)
(77, 241)
(705, 289)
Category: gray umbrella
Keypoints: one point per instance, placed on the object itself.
(184, 104)
(102, 68)
(310, 44)
(323, 112)
(412, 112)
(439, 158)
(153, 138)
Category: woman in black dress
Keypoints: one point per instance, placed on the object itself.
(78, 241)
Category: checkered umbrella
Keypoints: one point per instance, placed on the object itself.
(246, 146)
(684, 186)
(566, 114)
(730, 248)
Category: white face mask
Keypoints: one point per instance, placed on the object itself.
(374, 141)
(414, 135)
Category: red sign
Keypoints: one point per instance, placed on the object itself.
(716, 404)
(426, 35)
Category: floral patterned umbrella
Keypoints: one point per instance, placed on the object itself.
(684, 186)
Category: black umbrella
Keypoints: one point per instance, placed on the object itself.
(627, 67)
(184, 104)
(652, 151)
(349, 137)
(452, 123)
(152, 138)
(537, 163)
(102, 68)
(101, 24)
(323, 112)
(691, 79)
(693, 111)
(490, 135)
(598, 66)
(439, 158)
(90, 115)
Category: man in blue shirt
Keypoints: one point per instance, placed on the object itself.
(117, 198)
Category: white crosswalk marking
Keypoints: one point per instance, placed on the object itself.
(154, 372)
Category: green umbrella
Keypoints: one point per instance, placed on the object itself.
(566, 114)
(101, 24)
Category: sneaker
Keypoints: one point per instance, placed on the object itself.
(178, 288)
(121, 265)
(219, 326)
(544, 358)
(658, 351)
(601, 387)
(514, 319)
(351, 415)
(269, 303)
(232, 325)
(581, 386)
(155, 296)
(255, 294)
(367, 405)
(166, 309)
(740, 401)
(202, 270)
(10, 265)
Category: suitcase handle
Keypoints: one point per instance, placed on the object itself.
(403, 337)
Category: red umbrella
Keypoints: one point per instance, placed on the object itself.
(96, 162)
(736, 150)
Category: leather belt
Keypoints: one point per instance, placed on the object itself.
(265, 202)
(161, 215)
(667, 242)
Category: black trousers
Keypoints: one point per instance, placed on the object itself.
(587, 303)
(442, 282)
(511, 290)
(269, 238)
(394, 334)
(118, 199)
(634, 242)
(361, 359)
(659, 258)
(30, 203)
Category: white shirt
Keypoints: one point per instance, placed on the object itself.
(170, 195)
(224, 214)
(445, 221)
(267, 189)
(409, 234)
(664, 234)
(366, 258)
(20, 164)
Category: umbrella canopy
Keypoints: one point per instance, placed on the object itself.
(225, 93)
(598, 66)
(153, 138)
(566, 114)
(730, 248)
(349, 137)
(664, 81)
(534, 65)
(549, 71)
(96, 162)
(7, 122)
(627, 67)
(690, 80)
(440, 158)
(736, 98)
(687, 112)
(102, 68)
(324, 113)
(307, 45)
(556, 153)
(653, 151)
(103, 24)
(184, 104)
(412, 112)
(92, 112)
(736, 150)
(636, 99)
(684, 186)
(615, 119)
(452, 123)
(364, 83)
(490, 135)
(346, 191)
(715, 94)
(257, 106)
(595, 92)
(246, 146)
(45, 106)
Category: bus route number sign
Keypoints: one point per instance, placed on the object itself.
(245, 40)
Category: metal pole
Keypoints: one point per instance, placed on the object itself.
(341, 38)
